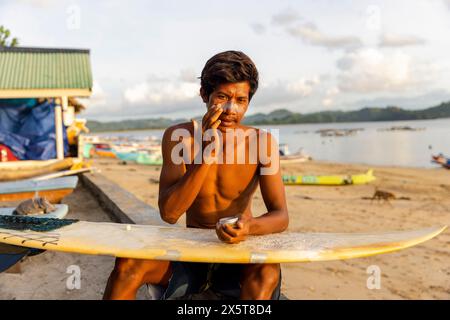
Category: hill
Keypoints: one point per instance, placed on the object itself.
(284, 116)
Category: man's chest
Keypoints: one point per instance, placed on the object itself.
(229, 180)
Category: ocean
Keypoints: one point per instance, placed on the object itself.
(371, 146)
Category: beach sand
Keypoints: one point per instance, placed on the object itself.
(421, 272)
(45, 276)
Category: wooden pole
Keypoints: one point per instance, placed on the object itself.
(59, 127)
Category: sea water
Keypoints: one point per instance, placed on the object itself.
(372, 146)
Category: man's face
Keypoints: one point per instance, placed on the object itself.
(234, 100)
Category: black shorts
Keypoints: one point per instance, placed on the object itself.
(189, 278)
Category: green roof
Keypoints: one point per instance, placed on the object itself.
(44, 68)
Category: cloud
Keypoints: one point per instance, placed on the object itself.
(258, 28)
(327, 102)
(286, 17)
(188, 75)
(159, 91)
(370, 70)
(309, 33)
(330, 96)
(447, 2)
(39, 3)
(392, 40)
(282, 94)
(98, 97)
(303, 87)
(422, 101)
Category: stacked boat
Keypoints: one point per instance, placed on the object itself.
(52, 179)
(146, 152)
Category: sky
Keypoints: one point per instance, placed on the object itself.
(312, 56)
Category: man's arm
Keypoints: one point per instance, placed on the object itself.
(276, 219)
(179, 187)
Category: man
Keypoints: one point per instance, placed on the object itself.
(208, 190)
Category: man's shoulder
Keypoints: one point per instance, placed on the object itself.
(185, 125)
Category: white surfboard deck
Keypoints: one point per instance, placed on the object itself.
(200, 245)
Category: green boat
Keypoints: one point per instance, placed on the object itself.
(149, 159)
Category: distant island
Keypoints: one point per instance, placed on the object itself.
(284, 116)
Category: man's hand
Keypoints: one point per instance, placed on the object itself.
(229, 234)
(210, 121)
(211, 118)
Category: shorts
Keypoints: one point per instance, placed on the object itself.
(190, 278)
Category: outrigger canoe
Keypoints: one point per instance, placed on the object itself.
(127, 156)
(54, 190)
(329, 180)
(149, 159)
(16, 170)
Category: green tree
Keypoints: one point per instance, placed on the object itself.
(4, 41)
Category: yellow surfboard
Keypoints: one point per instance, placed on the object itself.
(330, 180)
(202, 245)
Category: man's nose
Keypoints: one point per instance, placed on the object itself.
(230, 107)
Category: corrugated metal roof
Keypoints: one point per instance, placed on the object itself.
(44, 68)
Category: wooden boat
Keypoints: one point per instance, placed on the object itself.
(17, 170)
(294, 158)
(54, 190)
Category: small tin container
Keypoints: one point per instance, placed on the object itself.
(232, 221)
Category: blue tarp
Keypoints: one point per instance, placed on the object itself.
(27, 127)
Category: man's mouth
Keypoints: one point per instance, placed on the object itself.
(227, 121)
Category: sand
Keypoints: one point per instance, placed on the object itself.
(45, 276)
(421, 272)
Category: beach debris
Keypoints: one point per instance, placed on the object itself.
(383, 195)
(401, 128)
(338, 132)
(153, 180)
(36, 205)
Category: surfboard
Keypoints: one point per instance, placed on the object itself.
(54, 189)
(202, 245)
(329, 180)
(60, 212)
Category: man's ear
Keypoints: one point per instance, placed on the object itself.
(204, 96)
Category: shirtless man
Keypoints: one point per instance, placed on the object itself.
(209, 191)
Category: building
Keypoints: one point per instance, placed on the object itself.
(46, 73)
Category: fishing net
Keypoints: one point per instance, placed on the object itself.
(32, 223)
